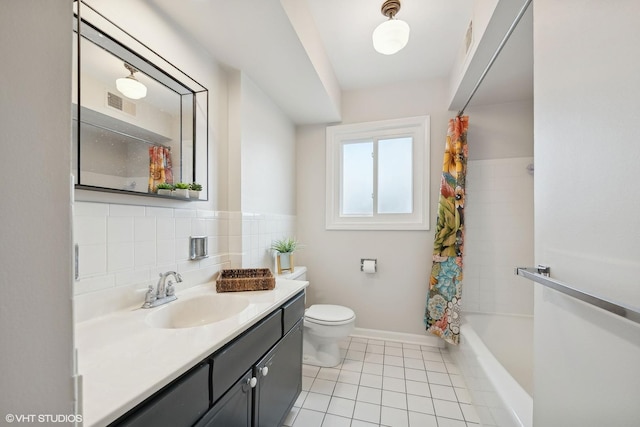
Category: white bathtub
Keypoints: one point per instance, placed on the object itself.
(495, 357)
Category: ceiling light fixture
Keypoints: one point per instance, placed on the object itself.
(392, 35)
(130, 86)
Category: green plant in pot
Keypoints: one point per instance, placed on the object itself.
(194, 190)
(164, 189)
(181, 189)
(284, 253)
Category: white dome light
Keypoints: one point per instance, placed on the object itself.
(129, 86)
(390, 36)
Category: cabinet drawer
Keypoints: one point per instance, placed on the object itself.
(292, 311)
(234, 359)
(181, 404)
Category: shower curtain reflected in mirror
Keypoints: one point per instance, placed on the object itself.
(442, 313)
(160, 170)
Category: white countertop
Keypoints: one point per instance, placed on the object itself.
(123, 361)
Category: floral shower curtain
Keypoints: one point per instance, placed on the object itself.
(442, 314)
(159, 167)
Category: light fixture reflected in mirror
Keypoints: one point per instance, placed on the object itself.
(130, 86)
(392, 35)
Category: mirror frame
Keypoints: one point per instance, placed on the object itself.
(96, 28)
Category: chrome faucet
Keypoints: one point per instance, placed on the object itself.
(164, 292)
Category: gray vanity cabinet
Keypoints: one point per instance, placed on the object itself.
(279, 380)
(263, 396)
(242, 353)
(276, 379)
(251, 382)
(181, 403)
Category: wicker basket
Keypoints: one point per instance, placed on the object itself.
(245, 279)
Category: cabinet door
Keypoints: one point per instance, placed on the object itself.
(234, 408)
(279, 376)
(181, 403)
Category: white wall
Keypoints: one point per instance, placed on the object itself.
(35, 255)
(499, 215)
(498, 236)
(586, 202)
(268, 154)
(499, 208)
(261, 173)
(501, 131)
(394, 298)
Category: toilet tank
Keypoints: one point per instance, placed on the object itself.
(299, 273)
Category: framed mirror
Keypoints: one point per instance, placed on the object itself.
(140, 124)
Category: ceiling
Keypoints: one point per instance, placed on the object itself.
(437, 34)
(303, 53)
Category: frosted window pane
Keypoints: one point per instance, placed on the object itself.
(395, 176)
(357, 178)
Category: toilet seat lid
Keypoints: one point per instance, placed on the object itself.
(329, 313)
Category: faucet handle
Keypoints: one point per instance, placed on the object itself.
(149, 297)
(171, 289)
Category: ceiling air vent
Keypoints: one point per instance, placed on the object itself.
(117, 102)
(468, 39)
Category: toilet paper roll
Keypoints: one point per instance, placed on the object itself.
(369, 266)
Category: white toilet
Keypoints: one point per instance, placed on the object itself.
(324, 326)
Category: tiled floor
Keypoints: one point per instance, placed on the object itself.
(384, 383)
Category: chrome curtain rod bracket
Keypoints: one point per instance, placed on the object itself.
(541, 275)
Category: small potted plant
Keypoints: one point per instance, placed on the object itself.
(284, 253)
(181, 190)
(194, 190)
(164, 189)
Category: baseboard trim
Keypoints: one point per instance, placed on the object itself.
(432, 340)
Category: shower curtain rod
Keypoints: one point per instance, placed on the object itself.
(495, 55)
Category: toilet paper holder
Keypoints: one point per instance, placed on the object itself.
(375, 263)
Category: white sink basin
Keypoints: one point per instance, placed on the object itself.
(196, 311)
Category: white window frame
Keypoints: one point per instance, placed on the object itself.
(416, 127)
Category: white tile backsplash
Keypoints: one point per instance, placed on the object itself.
(165, 251)
(132, 276)
(198, 227)
(91, 209)
(90, 229)
(258, 233)
(144, 254)
(184, 213)
(119, 256)
(119, 229)
(94, 260)
(183, 227)
(123, 248)
(498, 235)
(144, 229)
(182, 249)
(126, 210)
(159, 212)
